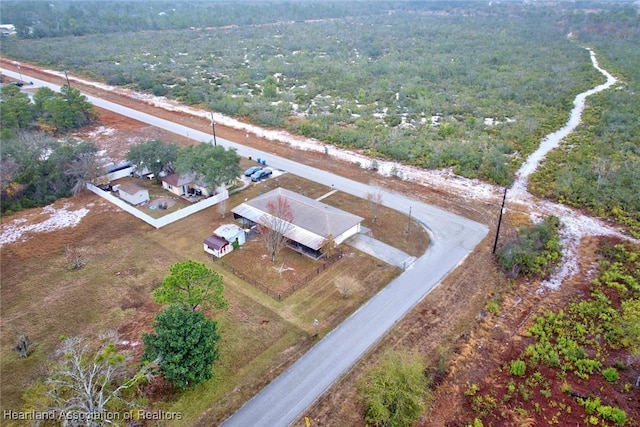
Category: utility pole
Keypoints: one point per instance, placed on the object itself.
(67, 76)
(502, 211)
(213, 125)
(409, 224)
(20, 71)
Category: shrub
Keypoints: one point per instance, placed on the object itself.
(395, 391)
(610, 413)
(611, 374)
(534, 252)
(493, 307)
(518, 368)
(594, 407)
(472, 390)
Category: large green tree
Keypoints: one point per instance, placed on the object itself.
(185, 343)
(213, 165)
(191, 284)
(62, 111)
(16, 110)
(154, 155)
(81, 110)
(41, 96)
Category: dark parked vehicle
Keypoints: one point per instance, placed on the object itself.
(252, 170)
(261, 174)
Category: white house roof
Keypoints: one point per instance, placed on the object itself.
(313, 221)
(228, 231)
(130, 188)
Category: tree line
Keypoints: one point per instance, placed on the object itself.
(50, 111)
(77, 18)
(474, 88)
(597, 167)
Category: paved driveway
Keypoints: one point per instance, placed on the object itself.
(380, 250)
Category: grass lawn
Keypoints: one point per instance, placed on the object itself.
(126, 259)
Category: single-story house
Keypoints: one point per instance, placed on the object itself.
(184, 185)
(231, 233)
(217, 246)
(313, 223)
(132, 193)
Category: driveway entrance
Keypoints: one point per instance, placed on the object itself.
(382, 251)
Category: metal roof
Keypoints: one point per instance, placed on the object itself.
(313, 221)
(215, 242)
(130, 188)
(228, 231)
(178, 180)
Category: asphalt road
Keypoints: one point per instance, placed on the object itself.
(452, 238)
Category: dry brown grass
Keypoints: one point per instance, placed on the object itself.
(446, 314)
(390, 226)
(126, 259)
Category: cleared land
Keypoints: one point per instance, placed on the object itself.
(126, 259)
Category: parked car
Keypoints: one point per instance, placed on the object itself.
(252, 170)
(261, 174)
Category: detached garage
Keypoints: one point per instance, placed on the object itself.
(132, 193)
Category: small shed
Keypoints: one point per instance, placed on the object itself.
(231, 233)
(133, 193)
(217, 246)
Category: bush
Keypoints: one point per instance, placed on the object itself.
(395, 391)
(611, 374)
(534, 252)
(493, 307)
(518, 368)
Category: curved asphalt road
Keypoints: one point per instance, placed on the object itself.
(289, 395)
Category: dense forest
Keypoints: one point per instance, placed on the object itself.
(468, 85)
